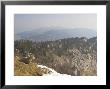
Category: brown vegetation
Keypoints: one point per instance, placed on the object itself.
(31, 69)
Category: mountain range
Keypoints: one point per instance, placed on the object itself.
(47, 34)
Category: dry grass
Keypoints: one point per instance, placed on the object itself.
(22, 69)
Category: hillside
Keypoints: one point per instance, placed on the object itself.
(31, 69)
(72, 56)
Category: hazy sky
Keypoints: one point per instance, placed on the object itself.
(27, 22)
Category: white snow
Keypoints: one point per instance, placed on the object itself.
(52, 71)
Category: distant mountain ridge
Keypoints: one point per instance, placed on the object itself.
(45, 34)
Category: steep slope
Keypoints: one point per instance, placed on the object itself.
(33, 69)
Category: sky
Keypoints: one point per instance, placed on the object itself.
(28, 22)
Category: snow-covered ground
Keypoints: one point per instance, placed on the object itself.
(52, 72)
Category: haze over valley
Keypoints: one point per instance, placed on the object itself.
(49, 34)
(55, 45)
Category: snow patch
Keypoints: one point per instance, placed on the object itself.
(51, 72)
